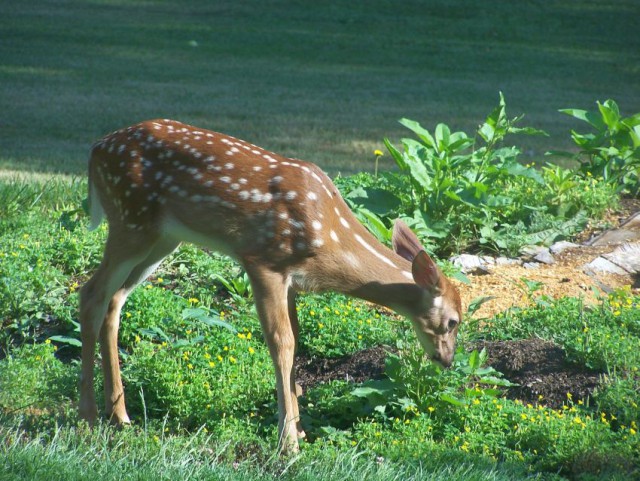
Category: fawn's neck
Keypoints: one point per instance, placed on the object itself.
(364, 268)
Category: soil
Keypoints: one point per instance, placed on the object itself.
(540, 368)
(541, 371)
(362, 366)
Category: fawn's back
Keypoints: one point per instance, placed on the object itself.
(217, 190)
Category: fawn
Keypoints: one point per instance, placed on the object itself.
(162, 182)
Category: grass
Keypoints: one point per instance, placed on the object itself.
(107, 455)
(308, 79)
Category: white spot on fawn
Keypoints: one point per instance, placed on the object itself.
(373, 251)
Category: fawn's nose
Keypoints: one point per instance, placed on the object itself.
(444, 362)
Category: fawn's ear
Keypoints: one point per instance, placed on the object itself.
(405, 242)
(425, 272)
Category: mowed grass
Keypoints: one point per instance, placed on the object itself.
(320, 81)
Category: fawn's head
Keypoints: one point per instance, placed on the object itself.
(438, 314)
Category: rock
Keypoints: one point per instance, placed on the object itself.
(537, 253)
(470, 264)
(488, 260)
(559, 247)
(506, 261)
(632, 222)
(600, 264)
(530, 252)
(545, 257)
(629, 231)
(627, 257)
(531, 265)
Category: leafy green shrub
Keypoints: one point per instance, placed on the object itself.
(460, 192)
(456, 184)
(611, 151)
(415, 385)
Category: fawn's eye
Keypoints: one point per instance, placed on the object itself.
(453, 323)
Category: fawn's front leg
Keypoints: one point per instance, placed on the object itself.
(270, 291)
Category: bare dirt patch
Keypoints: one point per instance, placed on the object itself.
(540, 368)
(360, 367)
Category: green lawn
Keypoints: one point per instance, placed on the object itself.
(321, 81)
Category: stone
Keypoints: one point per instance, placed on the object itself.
(600, 264)
(471, 264)
(627, 256)
(545, 257)
(559, 247)
(506, 261)
(537, 253)
(629, 231)
(632, 222)
(530, 252)
(531, 265)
